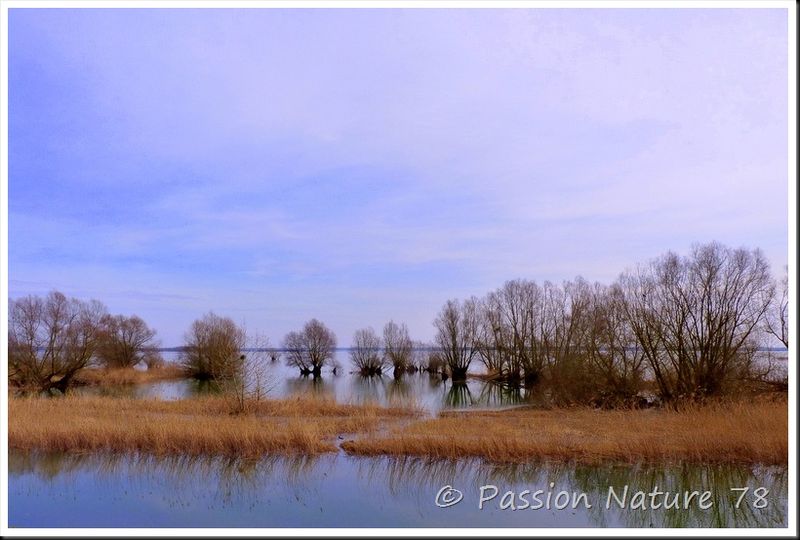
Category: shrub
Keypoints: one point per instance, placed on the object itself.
(366, 352)
(213, 348)
(124, 341)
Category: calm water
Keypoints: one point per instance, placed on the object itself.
(56, 490)
(423, 389)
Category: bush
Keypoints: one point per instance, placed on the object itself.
(124, 341)
(366, 352)
(213, 348)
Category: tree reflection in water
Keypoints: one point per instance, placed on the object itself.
(252, 487)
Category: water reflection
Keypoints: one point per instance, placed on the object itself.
(421, 389)
(49, 489)
(459, 396)
(315, 386)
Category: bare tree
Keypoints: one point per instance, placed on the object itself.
(214, 348)
(397, 346)
(457, 331)
(419, 353)
(695, 317)
(366, 352)
(125, 341)
(249, 381)
(777, 319)
(51, 339)
(492, 339)
(310, 348)
(614, 361)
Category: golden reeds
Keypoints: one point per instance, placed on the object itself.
(199, 426)
(739, 432)
(731, 433)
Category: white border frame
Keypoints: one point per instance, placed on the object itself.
(789, 5)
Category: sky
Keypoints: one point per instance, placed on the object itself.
(364, 165)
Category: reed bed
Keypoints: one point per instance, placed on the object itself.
(755, 432)
(201, 426)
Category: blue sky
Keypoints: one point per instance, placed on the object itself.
(365, 165)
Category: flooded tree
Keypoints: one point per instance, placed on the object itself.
(366, 352)
(696, 317)
(311, 348)
(213, 348)
(397, 346)
(513, 330)
(125, 341)
(50, 339)
(456, 336)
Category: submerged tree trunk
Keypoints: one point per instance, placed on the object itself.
(459, 374)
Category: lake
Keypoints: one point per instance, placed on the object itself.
(338, 490)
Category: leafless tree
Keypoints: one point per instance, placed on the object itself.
(51, 339)
(213, 348)
(310, 348)
(614, 361)
(124, 341)
(249, 381)
(397, 346)
(419, 354)
(492, 339)
(777, 319)
(696, 317)
(457, 332)
(366, 352)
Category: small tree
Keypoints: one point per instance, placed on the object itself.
(125, 341)
(366, 352)
(311, 348)
(213, 348)
(457, 331)
(249, 382)
(397, 346)
(50, 339)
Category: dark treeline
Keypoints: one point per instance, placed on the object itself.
(686, 327)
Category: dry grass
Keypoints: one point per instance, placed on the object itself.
(734, 432)
(119, 376)
(754, 432)
(201, 426)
